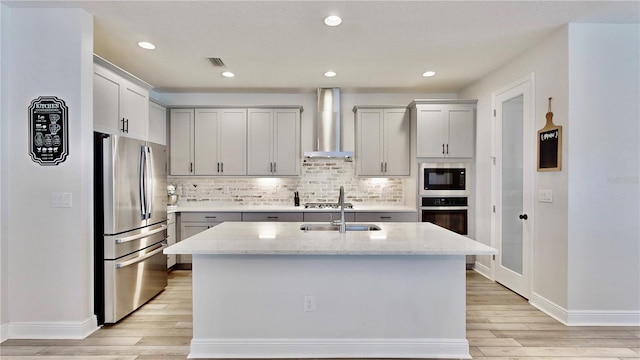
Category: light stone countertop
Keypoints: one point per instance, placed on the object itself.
(284, 208)
(286, 238)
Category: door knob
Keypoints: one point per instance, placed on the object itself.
(523, 217)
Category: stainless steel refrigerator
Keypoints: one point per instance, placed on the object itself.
(130, 210)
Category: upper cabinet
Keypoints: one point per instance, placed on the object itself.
(273, 147)
(120, 101)
(157, 123)
(220, 142)
(208, 141)
(382, 141)
(444, 128)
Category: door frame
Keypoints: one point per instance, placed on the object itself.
(526, 87)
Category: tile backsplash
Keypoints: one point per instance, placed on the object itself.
(319, 181)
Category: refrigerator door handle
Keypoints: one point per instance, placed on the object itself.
(142, 192)
(139, 259)
(140, 236)
(149, 181)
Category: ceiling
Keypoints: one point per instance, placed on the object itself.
(284, 46)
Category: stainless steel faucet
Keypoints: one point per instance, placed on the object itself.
(343, 225)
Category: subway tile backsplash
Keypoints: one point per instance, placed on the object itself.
(319, 182)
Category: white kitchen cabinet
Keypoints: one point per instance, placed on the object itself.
(120, 101)
(328, 216)
(386, 217)
(157, 123)
(273, 216)
(445, 129)
(383, 141)
(171, 238)
(273, 147)
(181, 141)
(192, 223)
(220, 142)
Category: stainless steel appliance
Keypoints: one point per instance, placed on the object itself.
(444, 179)
(449, 212)
(130, 209)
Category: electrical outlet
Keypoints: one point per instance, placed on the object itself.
(309, 303)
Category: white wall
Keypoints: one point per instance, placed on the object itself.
(549, 61)
(49, 279)
(4, 21)
(604, 168)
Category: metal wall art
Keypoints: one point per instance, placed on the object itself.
(48, 130)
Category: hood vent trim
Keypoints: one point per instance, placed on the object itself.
(328, 127)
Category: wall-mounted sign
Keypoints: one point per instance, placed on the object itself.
(48, 130)
(550, 145)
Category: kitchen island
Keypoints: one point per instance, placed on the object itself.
(271, 290)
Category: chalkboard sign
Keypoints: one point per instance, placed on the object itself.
(48, 130)
(550, 145)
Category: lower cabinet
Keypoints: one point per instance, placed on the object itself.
(275, 216)
(328, 216)
(192, 223)
(171, 238)
(386, 216)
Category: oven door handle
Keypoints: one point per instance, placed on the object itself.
(444, 208)
(140, 258)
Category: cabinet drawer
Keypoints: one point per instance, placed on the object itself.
(327, 216)
(275, 216)
(210, 216)
(386, 216)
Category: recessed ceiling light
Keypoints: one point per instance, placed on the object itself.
(146, 45)
(429, 73)
(330, 74)
(333, 20)
(228, 74)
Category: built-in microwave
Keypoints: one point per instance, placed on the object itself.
(444, 179)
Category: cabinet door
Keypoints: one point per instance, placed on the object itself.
(232, 139)
(187, 230)
(206, 141)
(461, 142)
(259, 145)
(274, 216)
(397, 141)
(106, 102)
(286, 142)
(370, 138)
(135, 110)
(386, 216)
(181, 141)
(432, 131)
(157, 123)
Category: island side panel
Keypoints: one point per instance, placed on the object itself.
(365, 306)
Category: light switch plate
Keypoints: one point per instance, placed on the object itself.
(545, 195)
(61, 200)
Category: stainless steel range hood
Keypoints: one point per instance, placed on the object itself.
(328, 132)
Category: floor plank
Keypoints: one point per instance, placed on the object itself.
(500, 326)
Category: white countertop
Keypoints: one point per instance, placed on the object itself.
(286, 238)
(284, 208)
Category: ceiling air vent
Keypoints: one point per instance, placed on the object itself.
(216, 61)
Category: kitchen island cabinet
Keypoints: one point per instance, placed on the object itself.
(192, 223)
(264, 290)
(445, 128)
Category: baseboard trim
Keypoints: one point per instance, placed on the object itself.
(585, 317)
(329, 348)
(4, 332)
(53, 330)
(482, 270)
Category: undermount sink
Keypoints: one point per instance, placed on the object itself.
(331, 227)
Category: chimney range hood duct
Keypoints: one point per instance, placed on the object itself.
(328, 132)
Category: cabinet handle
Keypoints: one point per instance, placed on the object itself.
(447, 148)
(272, 217)
(122, 125)
(385, 217)
(222, 167)
(381, 167)
(218, 167)
(442, 148)
(210, 217)
(127, 126)
(191, 167)
(385, 167)
(275, 167)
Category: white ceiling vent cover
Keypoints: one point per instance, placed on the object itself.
(216, 61)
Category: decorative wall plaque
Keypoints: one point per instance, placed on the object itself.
(550, 145)
(48, 130)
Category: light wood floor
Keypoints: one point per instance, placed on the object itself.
(500, 325)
